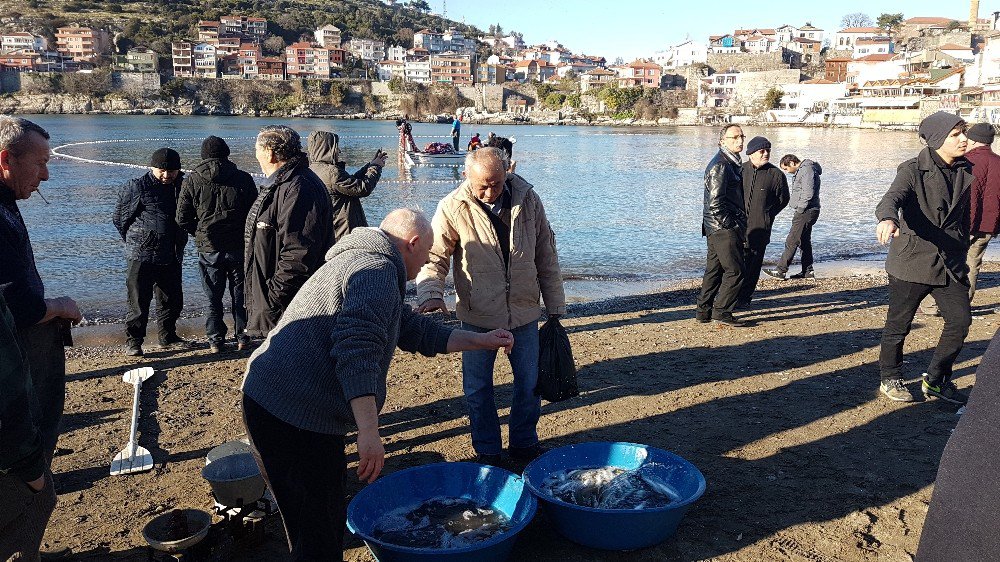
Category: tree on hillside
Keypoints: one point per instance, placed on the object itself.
(420, 5)
(890, 22)
(274, 45)
(857, 19)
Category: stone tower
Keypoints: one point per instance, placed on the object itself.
(973, 15)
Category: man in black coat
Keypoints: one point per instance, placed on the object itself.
(288, 230)
(214, 203)
(765, 190)
(154, 248)
(925, 216)
(724, 225)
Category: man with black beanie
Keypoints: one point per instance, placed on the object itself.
(924, 217)
(154, 249)
(765, 190)
(214, 203)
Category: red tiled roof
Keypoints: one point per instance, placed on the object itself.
(860, 30)
(953, 47)
(877, 57)
(804, 40)
(928, 21)
(873, 41)
(819, 81)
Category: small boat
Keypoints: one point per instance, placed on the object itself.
(426, 159)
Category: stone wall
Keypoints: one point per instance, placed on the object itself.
(753, 86)
(10, 82)
(754, 62)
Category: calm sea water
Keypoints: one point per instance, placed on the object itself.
(625, 203)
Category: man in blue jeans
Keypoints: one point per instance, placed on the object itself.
(495, 227)
(214, 202)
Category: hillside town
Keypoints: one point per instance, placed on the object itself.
(886, 75)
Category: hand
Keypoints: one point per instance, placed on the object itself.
(65, 307)
(380, 159)
(37, 484)
(371, 455)
(498, 339)
(886, 231)
(431, 305)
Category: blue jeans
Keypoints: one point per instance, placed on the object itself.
(477, 382)
(216, 269)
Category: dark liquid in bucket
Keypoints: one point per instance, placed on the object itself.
(610, 487)
(441, 523)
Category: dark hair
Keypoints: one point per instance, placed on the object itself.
(725, 129)
(282, 140)
(789, 159)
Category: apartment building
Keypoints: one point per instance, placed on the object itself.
(82, 43)
(451, 68)
(366, 49)
(182, 56)
(23, 41)
(328, 36)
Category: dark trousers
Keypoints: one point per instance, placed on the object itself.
(800, 235)
(43, 345)
(753, 260)
(723, 271)
(904, 298)
(305, 472)
(143, 280)
(24, 513)
(454, 139)
(218, 268)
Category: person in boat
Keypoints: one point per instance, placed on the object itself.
(405, 135)
(474, 143)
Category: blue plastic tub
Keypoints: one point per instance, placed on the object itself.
(615, 529)
(487, 485)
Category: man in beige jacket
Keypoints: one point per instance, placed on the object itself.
(505, 258)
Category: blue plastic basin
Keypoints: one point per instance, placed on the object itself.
(615, 529)
(490, 486)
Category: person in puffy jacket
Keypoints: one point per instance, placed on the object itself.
(804, 192)
(214, 202)
(154, 248)
(724, 225)
(346, 190)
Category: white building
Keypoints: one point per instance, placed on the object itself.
(683, 54)
(23, 41)
(807, 102)
(395, 52)
(417, 69)
(389, 69)
(206, 61)
(366, 49)
(872, 46)
(845, 39)
(328, 36)
(875, 67)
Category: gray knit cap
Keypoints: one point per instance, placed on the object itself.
(934, 129)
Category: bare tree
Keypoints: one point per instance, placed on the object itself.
(857, 19)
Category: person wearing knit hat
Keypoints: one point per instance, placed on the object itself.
(213, 206)
(765, 191)
(924, 218)
(154, 250)
(984, 204)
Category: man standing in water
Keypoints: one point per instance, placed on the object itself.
(765, 190)
(925, 216)
(724, 224)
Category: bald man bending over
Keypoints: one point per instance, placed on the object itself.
(321, 373)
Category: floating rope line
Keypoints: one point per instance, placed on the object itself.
(57, 151)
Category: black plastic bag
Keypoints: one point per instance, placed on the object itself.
(556, 370)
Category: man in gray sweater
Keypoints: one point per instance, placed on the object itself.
(804, 192)
(322, 372)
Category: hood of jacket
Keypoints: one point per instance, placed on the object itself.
(216, 170)
(817, 169)
(324, 147)
(370, 240)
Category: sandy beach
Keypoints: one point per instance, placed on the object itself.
(803, 460)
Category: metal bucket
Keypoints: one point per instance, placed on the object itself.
(235, 479)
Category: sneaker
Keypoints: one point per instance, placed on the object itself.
(803, 275)
(175, 342)
(777, 274)
(526, 454)
(244, 344)
(895, 390)
(727, 318)
(134, 350)
(217, 348)
(945, 390)
(703, 317)
(491, 460)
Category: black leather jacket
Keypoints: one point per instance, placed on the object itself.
(723, 196)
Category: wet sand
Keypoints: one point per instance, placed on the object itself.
(803, 460)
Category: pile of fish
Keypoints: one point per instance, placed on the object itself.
(441, 523)
(610, 487)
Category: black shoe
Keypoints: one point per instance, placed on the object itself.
(945, 390)
(244, 344)
(727, 318)
(175, 342)
(526, 454)
(777, 274)
(741, 305)
(217, 347)
(55, 553)
(134, 350)
(703, 317)
(803, 275)
(491, 460)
